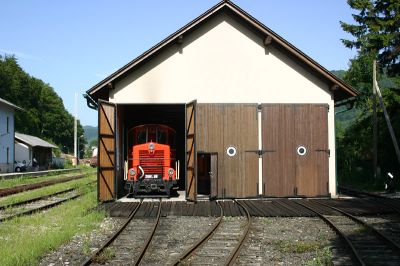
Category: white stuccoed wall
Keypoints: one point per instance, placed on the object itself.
(224, 62)
(6, 139)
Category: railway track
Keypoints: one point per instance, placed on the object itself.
(394, 204)
(17, 189)
(121, 247)
(30, 206)
(221, 244)
(365, 244)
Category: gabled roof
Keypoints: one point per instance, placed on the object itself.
(7, 103)
(33, 141)
(340, 89)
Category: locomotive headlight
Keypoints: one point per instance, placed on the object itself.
(151, 146)
(170, 172)
(132, 172)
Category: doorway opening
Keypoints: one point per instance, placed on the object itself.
(207, 166)
(130, 116)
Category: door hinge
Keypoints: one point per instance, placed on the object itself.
(328, 151)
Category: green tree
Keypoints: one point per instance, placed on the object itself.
(376, 37)
(44, 113)
(377, 31)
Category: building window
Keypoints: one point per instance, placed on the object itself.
(8, 124)
(8, 155)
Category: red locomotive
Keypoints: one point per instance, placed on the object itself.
(151, 165)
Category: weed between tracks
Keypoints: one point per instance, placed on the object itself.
(30, 194)
(323, 254)
(24, 240)
(297, 246)
(105, 256)
(25, 180)
(322, 257)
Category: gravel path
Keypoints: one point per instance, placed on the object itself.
(272, 241)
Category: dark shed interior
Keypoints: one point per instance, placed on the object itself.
(131, 115)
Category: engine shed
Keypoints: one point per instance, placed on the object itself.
(254, 116)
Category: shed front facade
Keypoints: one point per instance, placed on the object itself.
(253, 114)
(30, 148)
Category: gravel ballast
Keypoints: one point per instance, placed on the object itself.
(272, 241)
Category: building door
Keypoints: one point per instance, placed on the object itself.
(191, 152)
(279, 178)
(213, 175)
(295, 146)
(207, 174)
(106, 152)
(311, 149)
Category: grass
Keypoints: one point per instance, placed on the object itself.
(24, 240)
(25, 180)
(106, 255)
(30, 194)
(291, 246)
(322, 257)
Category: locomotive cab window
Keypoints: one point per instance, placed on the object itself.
(162, 137)
(141, 136)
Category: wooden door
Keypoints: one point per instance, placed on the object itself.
(295, 146)
(106, 153)
(279, 178)
(213, 175)
(191, 152)
(312, 154)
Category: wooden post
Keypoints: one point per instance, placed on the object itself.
(389, 125)
(375, 124)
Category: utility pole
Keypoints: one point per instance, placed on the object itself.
(389, 124)
(76, 131)
(375, 124)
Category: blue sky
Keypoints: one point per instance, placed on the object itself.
(74, 44)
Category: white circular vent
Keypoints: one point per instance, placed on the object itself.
(231, 151)
(301, 150)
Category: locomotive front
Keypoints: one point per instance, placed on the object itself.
(152, 164)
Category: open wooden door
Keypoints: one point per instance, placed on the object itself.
(213, 175)
(191, 152)
(106, 153)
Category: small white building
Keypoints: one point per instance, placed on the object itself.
(28, 147)
(7, 110)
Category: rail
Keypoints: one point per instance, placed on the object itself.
(38, 173)
(150, 237)
(113, 237)
(382, 236)
(232, 258)
(336, 229)
(189, 252)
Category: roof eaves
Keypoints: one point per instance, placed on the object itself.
(156, 48)
(10, 104)
(253, 21)
(297, 52)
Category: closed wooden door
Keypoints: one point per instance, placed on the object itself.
(295, 146)
(279, 177)
(106, 153)
(311, 146)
